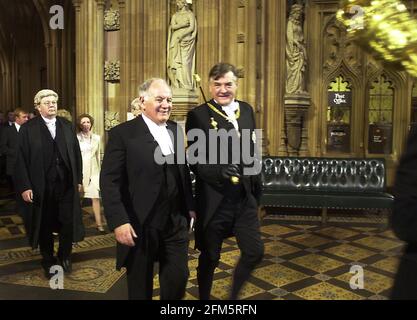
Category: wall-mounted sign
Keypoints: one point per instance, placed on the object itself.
(380, 139)
(340, 98)
(338, 138)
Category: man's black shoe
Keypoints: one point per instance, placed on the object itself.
(46, 263)
(46, 272)
(66, 264)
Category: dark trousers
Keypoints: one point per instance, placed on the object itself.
(56, 217)
(237, 217)
(2, 166)
(405, 283)
(170, 248)
(10, 183)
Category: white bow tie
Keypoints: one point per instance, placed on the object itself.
(231, 107)
(49, 122)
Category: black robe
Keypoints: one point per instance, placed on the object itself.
(30, 174)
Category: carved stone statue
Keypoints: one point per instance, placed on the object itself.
(296, 55)
(182, 34)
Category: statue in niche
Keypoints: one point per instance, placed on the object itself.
(182, 34)
(296, 54)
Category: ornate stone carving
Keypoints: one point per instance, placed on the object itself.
(241, 38)
(111, 119)
(338, 47)
(111, 20)
(112, 71)
(240, 72)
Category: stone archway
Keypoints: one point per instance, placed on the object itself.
(32, 55)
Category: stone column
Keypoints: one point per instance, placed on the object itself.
(97, 78)
(90, 61)
(80, 42)
(53, 63)
(132, 31)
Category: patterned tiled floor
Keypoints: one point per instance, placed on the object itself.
(303, 260)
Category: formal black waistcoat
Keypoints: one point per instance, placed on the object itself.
(170, 202)
(54, 164)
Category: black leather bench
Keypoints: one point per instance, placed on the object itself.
(325, 183)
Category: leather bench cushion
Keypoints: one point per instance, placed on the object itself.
(323, 174)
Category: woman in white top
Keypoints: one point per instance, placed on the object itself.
(90, 151)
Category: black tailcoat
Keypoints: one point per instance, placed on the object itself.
(130, 179)
(210, 186)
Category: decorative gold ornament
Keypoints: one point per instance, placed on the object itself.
(384, 28)
(235, 180)
(221, 114)
(111, 20)
(197, 78)
(112, 71)
(111, 119)
(213, 123)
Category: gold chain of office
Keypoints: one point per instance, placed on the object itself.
(221, 114)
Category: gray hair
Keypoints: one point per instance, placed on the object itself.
(42, 94)
(144, 87)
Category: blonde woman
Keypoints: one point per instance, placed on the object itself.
(90, 151)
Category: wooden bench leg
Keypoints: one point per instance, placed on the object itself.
(324, 215)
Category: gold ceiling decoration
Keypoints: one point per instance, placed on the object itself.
(385, 28)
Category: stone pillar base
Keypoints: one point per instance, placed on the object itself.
(183, 101)
(296, 107)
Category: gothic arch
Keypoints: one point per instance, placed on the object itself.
(43, 14)
(398, 78)
(346, 71)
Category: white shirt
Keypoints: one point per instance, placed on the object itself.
(17, 126)
(161, 135)
(51, 124)
(231, 113)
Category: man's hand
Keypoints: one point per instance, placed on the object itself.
(80, 188)
(28, 196)
(125, 234)
(192, 214)
(232, 170)
(193, 218)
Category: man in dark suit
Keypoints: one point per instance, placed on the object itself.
(48, 175)
(147, 196)
(226, 197)
(404, 220)
(8, 143)
(2, 155)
